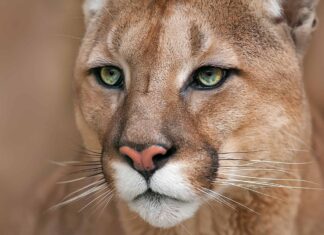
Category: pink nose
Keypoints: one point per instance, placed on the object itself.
(143, 161)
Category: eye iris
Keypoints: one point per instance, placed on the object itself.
(210, 76)
(110, 76)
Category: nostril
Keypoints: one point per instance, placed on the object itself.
(149, 159)
(128, 159)
(160, 160)
(132, 156)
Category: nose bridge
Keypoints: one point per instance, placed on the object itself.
(143, 120)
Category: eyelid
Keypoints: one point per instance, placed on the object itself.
(232, 70)
(96, 66)
(101, 62)
(225, 66)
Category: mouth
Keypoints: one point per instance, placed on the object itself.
(161, 210)
(150, 195)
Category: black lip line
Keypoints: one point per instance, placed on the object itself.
(156, 194)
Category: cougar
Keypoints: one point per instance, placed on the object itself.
(194, 120)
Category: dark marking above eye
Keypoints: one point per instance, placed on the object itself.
(314, 24)
(196, 39)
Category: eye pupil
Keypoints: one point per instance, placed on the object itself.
(209, 73)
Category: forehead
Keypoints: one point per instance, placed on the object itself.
(173, 32)
(169, 31)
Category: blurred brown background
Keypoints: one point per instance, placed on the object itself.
(39, 40)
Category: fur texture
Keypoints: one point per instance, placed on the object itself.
(239, 164)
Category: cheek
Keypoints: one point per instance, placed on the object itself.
(254, 151)
(222, 111)
(98, 105)
(200, 168)
(235, 114)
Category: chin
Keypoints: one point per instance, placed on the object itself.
(158, 202)
(163, 211)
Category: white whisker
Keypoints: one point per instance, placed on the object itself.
(78, 197)
(250, 189)
(67, 163)
(96, 183)
(108, 199)
(102, 202)
(217, 198)
(72, 181)
(268, 161)
(283, 163)
(270, 179)
(232, 200)
(103, 194)
(267, 184)
(231, 168)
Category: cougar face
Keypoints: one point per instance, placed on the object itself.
(184, 97)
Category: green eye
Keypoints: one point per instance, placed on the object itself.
(209, 77)
(110, 76)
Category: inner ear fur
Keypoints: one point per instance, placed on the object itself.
(301, 17)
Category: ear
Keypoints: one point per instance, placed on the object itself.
(302, 20)
(91, 8)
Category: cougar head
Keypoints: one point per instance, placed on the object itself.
(181, 96)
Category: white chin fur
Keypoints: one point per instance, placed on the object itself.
(162, 212)
(165, 212)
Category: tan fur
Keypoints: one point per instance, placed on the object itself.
(262, 111)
